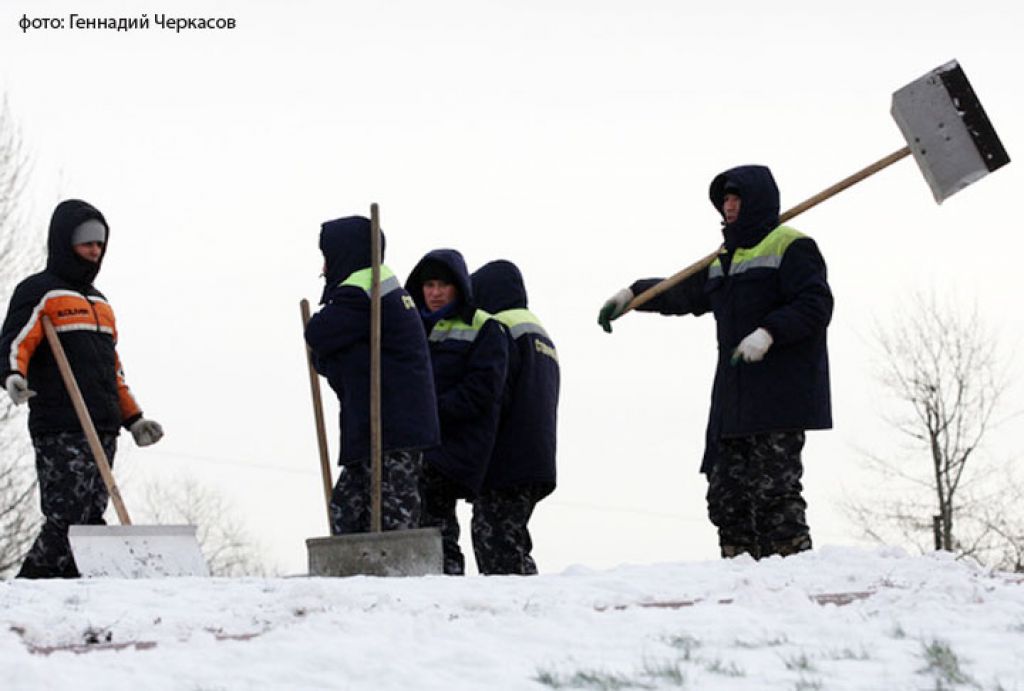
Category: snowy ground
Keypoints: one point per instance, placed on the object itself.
(835, 618)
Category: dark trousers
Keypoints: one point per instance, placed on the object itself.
(754, 495)
(440, 495)
(501, 539)
(71, 492)
(399, 494)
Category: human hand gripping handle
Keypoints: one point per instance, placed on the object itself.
(17, 389)
(613, 308)
(753, 347)
(146, 432)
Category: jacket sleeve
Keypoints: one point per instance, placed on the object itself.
(803, 284)
(343, 322)
(130, 410)
(20, 335)
(483, 382)
(687, 297)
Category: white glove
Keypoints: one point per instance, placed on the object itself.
(17, 389)
(613, 308)
(753, 347)
(146, 432)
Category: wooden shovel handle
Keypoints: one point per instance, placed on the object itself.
(680, 276)
(318, 416)
(83, 417)
(376, 444)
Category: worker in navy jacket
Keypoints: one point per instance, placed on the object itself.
(71, 490)
(339, 336)
(522, 469)
(769, 292)
(469, 357)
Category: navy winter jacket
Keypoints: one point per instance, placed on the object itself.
(766, 276)
(85, 323)
(339, 335)
(469, 353)
(524, 453)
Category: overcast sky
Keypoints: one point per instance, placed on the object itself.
(577, 139)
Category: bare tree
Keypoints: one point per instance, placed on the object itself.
(19, 517)
(224, 541)
(941, 365)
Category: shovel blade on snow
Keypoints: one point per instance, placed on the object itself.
(393, 553)
(947, 130)
(137, 551)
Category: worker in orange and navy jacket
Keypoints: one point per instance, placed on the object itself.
(71, 489)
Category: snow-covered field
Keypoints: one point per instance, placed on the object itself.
(835, 618)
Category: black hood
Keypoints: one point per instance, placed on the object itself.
(456, 264)
(61, 258)
(759, 206)
(498, 286)
(345, 243)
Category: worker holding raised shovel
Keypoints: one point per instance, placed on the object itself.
(770, 296)
(72, 491)
(768, 290)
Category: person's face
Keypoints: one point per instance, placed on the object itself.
(89, 251)
(438, 293)
(731, 207)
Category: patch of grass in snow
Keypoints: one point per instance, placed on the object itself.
(664, 671)
(804, 684)
(589, 679)
(769, 643)
(849, 654)
(799, 662)
(729, 670)
(944, 664)
(685, 643)
(898, 632)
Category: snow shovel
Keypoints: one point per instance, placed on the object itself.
(124, 551)
(415, 552)
(945, 128)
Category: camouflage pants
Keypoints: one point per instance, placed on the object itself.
(71, 492)
(501, 540)
(440, 496)
(399, 494)
(754, 495)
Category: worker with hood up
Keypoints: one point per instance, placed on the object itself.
(469, 358)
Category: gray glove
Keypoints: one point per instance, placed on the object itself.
(146, 432)
(613, 308)
(17, 389)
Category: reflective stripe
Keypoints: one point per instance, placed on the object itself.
(31, 334)
(521, 321)
(768, 262)
(363, 279)
(458, 330)
(766, 254)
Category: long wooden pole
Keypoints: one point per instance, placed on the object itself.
(83, 417)
(680, 276)
(318, 418)
(376, 445)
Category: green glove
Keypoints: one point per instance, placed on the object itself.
(613, 308)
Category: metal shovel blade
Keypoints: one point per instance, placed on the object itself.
(947, 130)
(414, 552)
(137, 551)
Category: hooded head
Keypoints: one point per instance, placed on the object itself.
(759, 205)
(345, 243)
(498, 286)
(75, 221)
(450, 266)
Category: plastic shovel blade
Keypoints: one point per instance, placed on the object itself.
(137, 551)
